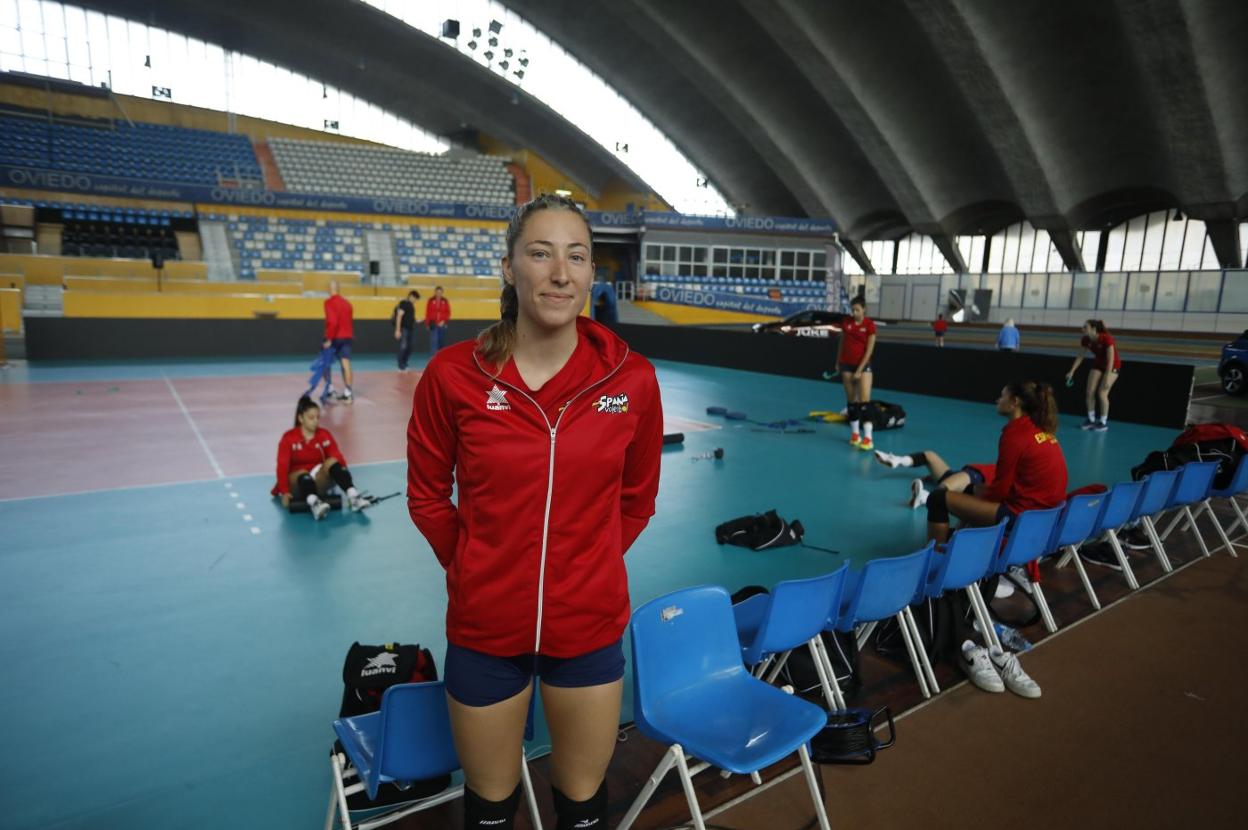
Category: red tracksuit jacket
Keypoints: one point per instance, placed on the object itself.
(437, 311)
(294, 452)
(338, 324)
(553, 487)
(1031, 470)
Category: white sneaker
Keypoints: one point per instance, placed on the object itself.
(1016, 680)
(918, 496)
(1018, 575)
(1005, 589)
(320, 510)
(978, 667)
(360, 502)
(888, 459)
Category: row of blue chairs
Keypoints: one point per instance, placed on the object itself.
(693, 692)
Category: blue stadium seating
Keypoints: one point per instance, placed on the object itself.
(143, 151)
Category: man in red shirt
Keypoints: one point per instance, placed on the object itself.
(339, 332)
(437, 314)
(939, 326)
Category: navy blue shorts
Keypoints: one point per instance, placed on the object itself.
(850, 368)
(340, 347)
(476, 679)
(1003, 512)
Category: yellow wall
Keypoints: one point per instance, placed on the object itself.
(236, 306)
(10, 309)
(51, 270)
(546, 178)
(15, 281)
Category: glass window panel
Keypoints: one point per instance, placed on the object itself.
(1142, 290)
(699, 254)
(1210, 260)
(1034, 290)
(1113, 291)
(669, 253)
(1235, 292)
(995, 251)
(654, 252)
(786, 257)
(686, 253)
(1009, 250)
(1083, 294)
(1154, 240)
(1171, 289)
(719, 254)
(803, 259)
(992, 282)
(737, 271)
(751, 272)
(1091, 241)
(699, 270)
(1203, 289)
(1113, 249)
(736, 255)
(819, 259)
(769, 258)
(1193, 245)
(1026, 247)
(1133, 244)
(1011, 295)
(752, 256)
(1059, 291)
(719, 271)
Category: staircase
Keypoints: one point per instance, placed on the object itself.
(218, 252)
(268, 166)
(380, 246)
(524, 187)
(43, 301)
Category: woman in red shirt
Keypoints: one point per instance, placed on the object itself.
(550, 429)
(1106, 362)
(853, 360)
(1030, 472)
(308, 459)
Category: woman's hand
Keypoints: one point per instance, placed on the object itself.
(397, 335)
(857, 376)
(286, 500)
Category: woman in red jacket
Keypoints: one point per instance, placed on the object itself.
(551, 430)
(1106, 363)
(1030, 472)
(308, 459)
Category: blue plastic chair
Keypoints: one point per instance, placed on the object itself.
(1194, 488)
(1238, 486)
(1118, 510)
(966, 560)
(1154, 499)
(1031, 537)
(692, 693)
(886, 588)
(794, 614)
(408, 739)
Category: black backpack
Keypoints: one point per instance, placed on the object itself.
(366, 674)
(886, 415)
(761, 531)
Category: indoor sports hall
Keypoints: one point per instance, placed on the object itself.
(950, 514)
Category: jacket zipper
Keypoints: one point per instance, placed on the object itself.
(550, 479)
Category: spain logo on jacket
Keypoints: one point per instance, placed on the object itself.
(617, 404)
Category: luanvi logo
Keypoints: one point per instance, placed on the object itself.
(496, 399)
(381, 664)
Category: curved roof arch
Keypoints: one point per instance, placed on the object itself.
(943, 117)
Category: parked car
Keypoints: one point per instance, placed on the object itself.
(1233, 369)
(809, 323)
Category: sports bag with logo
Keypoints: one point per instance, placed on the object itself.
(761, 531)
(366, 674)
(886, 415)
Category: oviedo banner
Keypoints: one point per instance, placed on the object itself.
(89, 183)
(729, 301)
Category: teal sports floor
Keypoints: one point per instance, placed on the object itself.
(172, 641)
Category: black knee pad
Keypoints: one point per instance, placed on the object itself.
(341, 476)
(581, 815)
(305, 486)
(937, 507)
(480, 814)
(854, 412)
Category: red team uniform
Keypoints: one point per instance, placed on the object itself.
(854, 341)
(296, 454)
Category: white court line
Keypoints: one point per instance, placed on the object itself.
(211, 458)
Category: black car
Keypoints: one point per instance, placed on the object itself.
(1233, 368)
(809, 323)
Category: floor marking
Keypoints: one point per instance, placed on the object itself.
(211, 458)
(246, 517)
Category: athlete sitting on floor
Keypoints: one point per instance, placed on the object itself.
(308, 459)
(971, 478)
